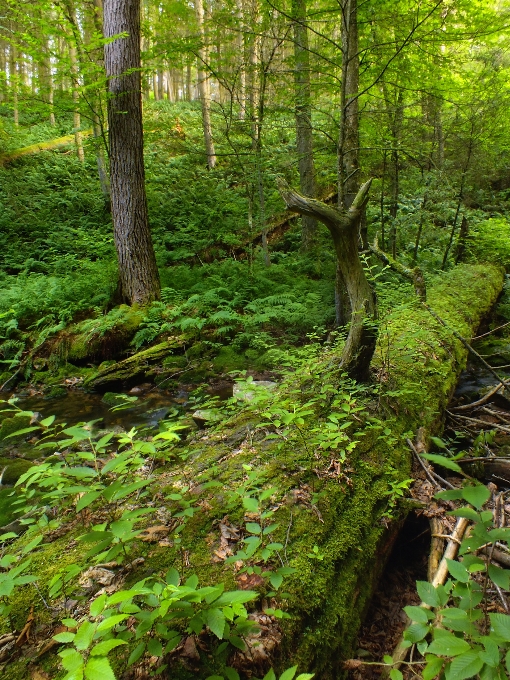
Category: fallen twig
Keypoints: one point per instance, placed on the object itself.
(400, 652)
(479, 402)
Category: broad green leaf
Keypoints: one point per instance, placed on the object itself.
(215, 619)
(447, 644)
(491, 654)
(501, 577)
(395, 674)
(236, 596)
(416, 632)
(98, 668)
(270, 675)
(64, 637)
(428, 593)
(289, 673)
(502, 534)
(458, 571)
(154, 647)
(136, 653)
(443, 461)
(72, 661)
(111, 621)
(417, 614)
(276, 580)
(253, 527)
(84, 635)
(476, 495)
(305, 676)
(7, 585)
(87, 500)
(433, 667)
(25, 430)
(449, 495)
(250, 504)
(47, 421)
(98, 604)
(465, 665)
(466, 512)
(231, 674)
(103, 648)
(33, 544)
(501, 625)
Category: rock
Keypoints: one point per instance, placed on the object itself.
(36, 418)
(206, 416)
(247, 391)
(96, 575)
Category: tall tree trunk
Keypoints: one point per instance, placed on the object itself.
(204, 87)
(348, 138)
(75, 80)
(188, 82)
(13, 80)
(138, 271)
(343, 226)
(303, 110)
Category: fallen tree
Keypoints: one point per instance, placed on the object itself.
(315, 465)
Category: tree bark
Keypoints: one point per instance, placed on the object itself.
(303, 112)
(204, 88)
(138, 272)
(343, 226)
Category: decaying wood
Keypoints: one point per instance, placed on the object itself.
(344, 229)
(436, 547)
(479, 421)
(414, 275)
(452, 547)
(432, 476)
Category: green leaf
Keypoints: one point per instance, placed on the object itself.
(418, 614)
(447, 644)
(476, 495)
(172, 577)
(215, 619)
(433, 667)
(231, 673)
(428, 593)
(305, 676)
(443, 461)
(276, 580)
(250, 504)
(7, 585)
(289, 673)
(33, 544)
(395, 674)
(98, 668)
(253, 528)
(458, 571)
(154, 647)
(136, 653)
(111, 621)
(465, 665)
(270, 675)
(416, 632)
(449, 495)
(72, 661)
(501, 625)
(501, 577)
(236, 596)
(87, 500)
(47, 421)
(466, 512)
(84, 635)
(103, 648)
(98, 604)
(25, 430)
(64, 637)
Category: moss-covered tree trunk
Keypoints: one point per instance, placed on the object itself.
(344, 229)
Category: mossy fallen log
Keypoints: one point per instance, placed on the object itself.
(56, 143)
(335, 454)
(132, 367)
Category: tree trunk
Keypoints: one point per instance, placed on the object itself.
(348, 139)
(203, 87)
(304, 138)
(137, 263)
(75, 81)
(343, 226)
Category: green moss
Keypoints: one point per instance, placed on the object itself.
(13, 469)
(228, 359)
(11, 425)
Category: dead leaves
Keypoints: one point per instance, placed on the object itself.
(229, 536)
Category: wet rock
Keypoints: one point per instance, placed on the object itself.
(206, 416)
(248, 391)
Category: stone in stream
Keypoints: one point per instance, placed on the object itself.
(206, 416)
(247, 391)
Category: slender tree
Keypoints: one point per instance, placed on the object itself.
(137, 263)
